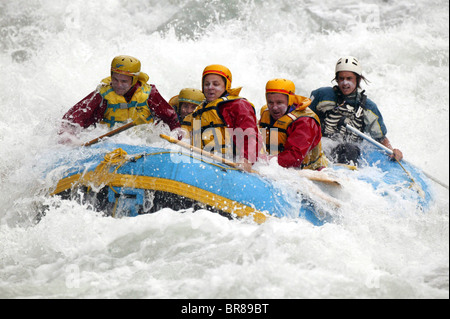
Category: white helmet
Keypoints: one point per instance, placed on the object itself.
(348, 63)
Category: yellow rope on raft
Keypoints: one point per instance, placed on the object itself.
(115, 158)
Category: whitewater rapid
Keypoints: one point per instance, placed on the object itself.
(53, 53)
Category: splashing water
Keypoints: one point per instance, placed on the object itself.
(53, 53)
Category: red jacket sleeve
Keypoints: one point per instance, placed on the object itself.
(91, 109)
(303, 135)
(159, 106)
(239, 114)
(88, 111)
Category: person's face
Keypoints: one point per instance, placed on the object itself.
(186, 108)
(121, 83)
(346, 81)
(277, 104)
(213, 87)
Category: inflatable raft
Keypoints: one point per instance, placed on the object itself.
(126, 180)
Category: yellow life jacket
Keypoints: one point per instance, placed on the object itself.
(119, 110)
(208, 128)
(276, 135)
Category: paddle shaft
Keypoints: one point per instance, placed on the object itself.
(311, 175)
(314, 189)
(369, 139)
(109, 134)
(201, 152)
(389, 151)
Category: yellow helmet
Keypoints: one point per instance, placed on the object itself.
(282, 86)
(128, 65)
(221, 70)
(193, 96)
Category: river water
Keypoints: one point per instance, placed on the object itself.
(53, 53)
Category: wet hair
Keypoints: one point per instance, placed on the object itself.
(358, 79)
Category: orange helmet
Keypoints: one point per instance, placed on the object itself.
(282, 86)
(221, 70)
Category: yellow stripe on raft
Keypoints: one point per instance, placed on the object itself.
(160, 184)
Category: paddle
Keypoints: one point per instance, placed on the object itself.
(202, 152)
(319, 176)
(311, 175)
(312, 188)
(389, 151)
(109, 134)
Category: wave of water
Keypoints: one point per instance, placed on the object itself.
(53, 53)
